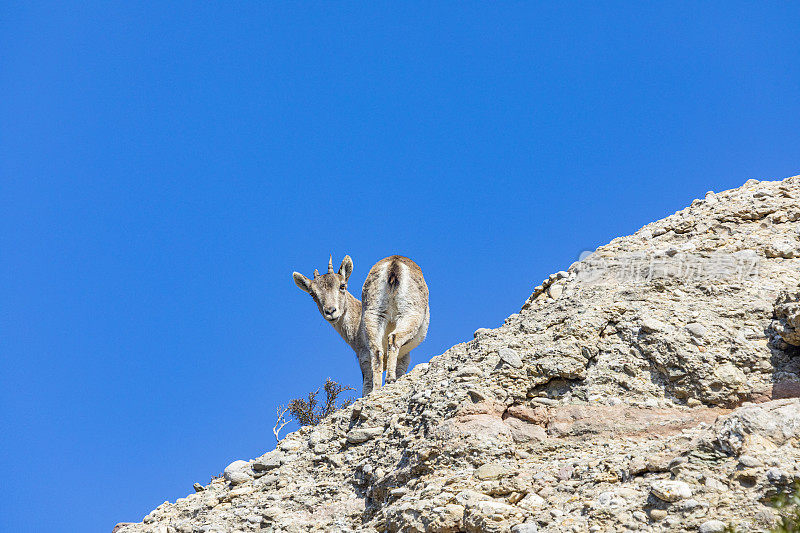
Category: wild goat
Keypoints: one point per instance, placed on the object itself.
(392, 320)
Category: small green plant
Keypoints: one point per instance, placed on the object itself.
(787, 504)
(308, 411)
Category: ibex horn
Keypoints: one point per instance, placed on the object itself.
(330, 265)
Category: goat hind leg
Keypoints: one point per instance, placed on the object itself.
(366, 372)
(403, 360)
(404, 331)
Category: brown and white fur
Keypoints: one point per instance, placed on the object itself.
(392, 320)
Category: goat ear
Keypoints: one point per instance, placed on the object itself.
(303, 282)
(347, 267)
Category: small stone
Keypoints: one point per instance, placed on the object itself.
(490, 471)
(565, 473)
(527, 527)
(715, 484)
(531, 502)
(469, 497)
(198, 487)
(690, 504)
(696, 329)
(693, 402)
(468, 370)
(237, 472)
(670, 491)
(267, 462)
(359, 435)
(712, 526)
(481, 331)
(236, 478)
(730, 375)
(511, 357)
(749, 461)
(477, 395)
(651, 325)
(317, 438)
(289, 445)
(545, 401)
(515, 497)
(556, 290)
(656, 515)
(609, 499)
(785, 249)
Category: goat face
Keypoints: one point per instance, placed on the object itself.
(329, 291)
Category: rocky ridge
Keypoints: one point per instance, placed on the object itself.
(651, 386)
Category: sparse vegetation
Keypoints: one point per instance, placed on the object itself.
(788, 506)
(308, 411)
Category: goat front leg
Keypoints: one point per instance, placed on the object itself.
(376, 360)
(364, 361)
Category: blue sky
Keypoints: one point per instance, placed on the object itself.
(164, 169)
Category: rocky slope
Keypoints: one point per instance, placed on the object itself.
(651, 386)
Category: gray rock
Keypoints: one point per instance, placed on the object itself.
(556, 290)
(713, 526)
(481, 331)
(752, 426)
(730, 375)
(696, 329)
(237, 478)
(511, 357)
(237, 472)
(748, 461)
(289, 444)
(785, 249)
(268, 462)
(359, 435)
(468, 370)
(651, 325)
(527, 527)
(670, 491)
(491, 471)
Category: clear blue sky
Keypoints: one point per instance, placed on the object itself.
(164, 169)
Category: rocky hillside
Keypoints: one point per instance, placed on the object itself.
(651, 386)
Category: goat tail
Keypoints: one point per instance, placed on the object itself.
(393, 277)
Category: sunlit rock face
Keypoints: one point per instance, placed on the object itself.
(650, 386)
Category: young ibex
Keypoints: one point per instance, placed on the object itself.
(392, 320)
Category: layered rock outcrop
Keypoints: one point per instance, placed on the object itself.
(650, 386)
